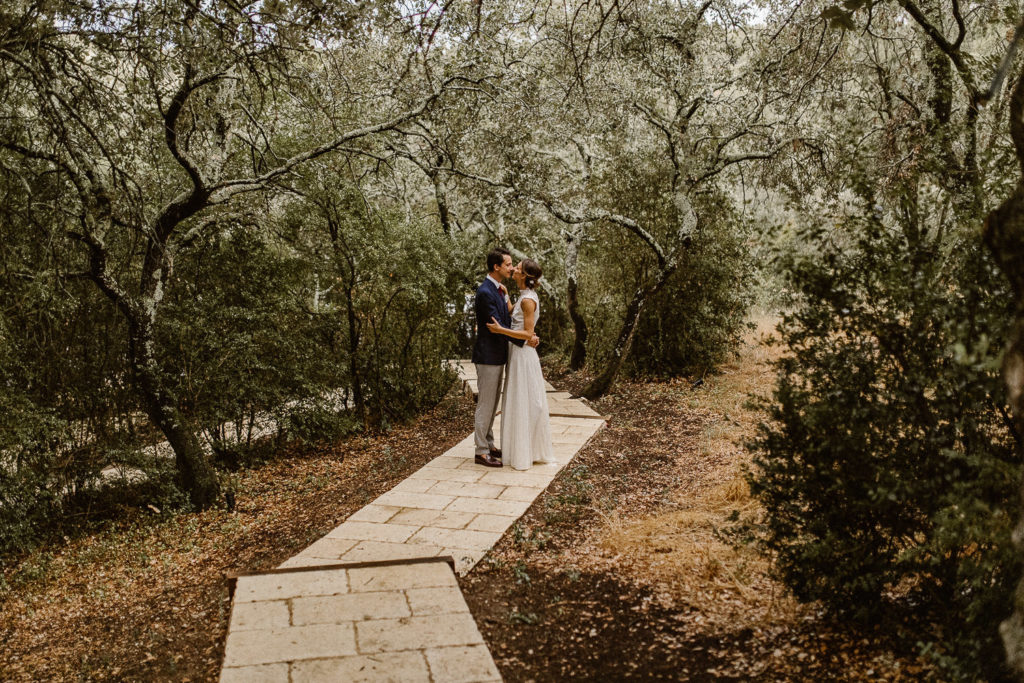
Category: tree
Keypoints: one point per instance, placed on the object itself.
(154, 119)
(889, 459)
(592, 100)
(1004, 235)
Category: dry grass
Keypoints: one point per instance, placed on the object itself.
(680, 551)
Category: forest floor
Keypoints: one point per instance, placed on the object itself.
(617, 571)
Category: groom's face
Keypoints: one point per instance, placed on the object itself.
(504, 271)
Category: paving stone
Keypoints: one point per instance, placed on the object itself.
(266, 615)
(465, 559)
(416, 633)
(374, 513)
(445, 462)
(456, 538)
(520, 493)
(392, 667)
(264, 673)
(558, 420)
(440, 518)
(444, 600)
(471, 490)
(329, 547)
(374, 551)
(507, 508)
(284, 645)
(465, 475)
(512, 478)
(337, 609)
(413, 485)
(401, 577)
(463, 449)
(570, 407)
(462, 664)
(470, 465)
(290, 585)
(368, 531)
(451, 506)
(300, 560)
(415, 500)
(581, 430)
(496, 523)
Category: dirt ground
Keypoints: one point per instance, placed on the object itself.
(146, 599)
(617, 571)
(621, 569)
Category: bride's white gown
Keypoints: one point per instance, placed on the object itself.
(525, 431)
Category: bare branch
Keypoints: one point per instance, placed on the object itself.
(1004, 66)
(952, 50)
(226, 189)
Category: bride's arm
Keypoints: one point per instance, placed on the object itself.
(529, 307)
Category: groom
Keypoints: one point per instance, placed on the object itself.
(491, 352)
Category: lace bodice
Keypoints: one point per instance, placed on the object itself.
(517, 310)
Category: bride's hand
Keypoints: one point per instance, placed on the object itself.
(494, 326)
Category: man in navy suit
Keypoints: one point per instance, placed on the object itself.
(490, 353)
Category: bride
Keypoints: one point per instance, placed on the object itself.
(525, 432)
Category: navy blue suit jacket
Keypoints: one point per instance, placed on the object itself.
(491, 348)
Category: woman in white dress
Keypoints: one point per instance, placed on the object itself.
(525, 430)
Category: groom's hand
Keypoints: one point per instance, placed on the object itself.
(534, 341)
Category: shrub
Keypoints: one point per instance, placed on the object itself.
(887, 468)
(695, 323)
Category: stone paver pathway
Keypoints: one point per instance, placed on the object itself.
(376, 598)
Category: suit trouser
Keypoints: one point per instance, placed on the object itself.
(488, 384)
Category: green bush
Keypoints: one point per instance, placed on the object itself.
(320, 424)
(389, 300)
(695, 323)
(887, 469)
(240, 339)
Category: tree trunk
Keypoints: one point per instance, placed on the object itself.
(441, 197)
(195, 474)
(578, 358)
(1004, 236)
(355, 374)
(603, 382)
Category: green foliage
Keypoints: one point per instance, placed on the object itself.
(696, 322)
(241, 341)
(320, 423)
(27, 499)
(62, 396)
(390, 296)
(888, 466)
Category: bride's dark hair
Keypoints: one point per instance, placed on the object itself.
(532, 271)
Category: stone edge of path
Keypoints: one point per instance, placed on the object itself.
(233, 577)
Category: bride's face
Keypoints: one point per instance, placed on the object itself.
(518, 275)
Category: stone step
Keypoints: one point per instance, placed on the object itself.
(398, 620)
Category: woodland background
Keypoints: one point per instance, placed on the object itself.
(220, 213)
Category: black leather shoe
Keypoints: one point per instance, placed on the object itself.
(487, 460)
(496, 453)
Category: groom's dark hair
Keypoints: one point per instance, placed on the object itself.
(496, 258)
